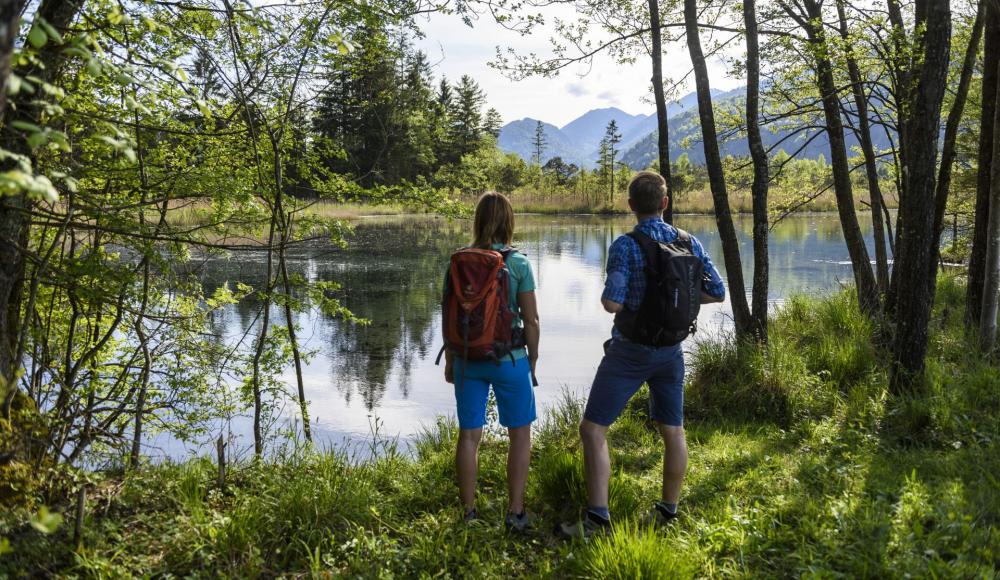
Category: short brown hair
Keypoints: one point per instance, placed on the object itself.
(647, 190)
(494, 223)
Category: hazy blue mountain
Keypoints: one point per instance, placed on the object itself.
(519, 137)
(685, 137)
(588, 129)
(647, 125)
(578, 142)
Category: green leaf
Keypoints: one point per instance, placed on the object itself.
(25, 126)
(203, 107)
(43, 188)
(52, 90)
(50, 30)
(37, 37)
(60, 139)
(37, 139)
(110, 141)
(80, 51)
(94, 66)
(45, 521)
(5, 546)
(13, 84)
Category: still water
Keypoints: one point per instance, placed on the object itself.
(392, 273)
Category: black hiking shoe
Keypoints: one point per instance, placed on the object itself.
(470, 516)
(589, 525)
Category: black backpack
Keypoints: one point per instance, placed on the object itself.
(669, 309)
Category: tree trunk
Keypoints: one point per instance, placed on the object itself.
(913, 249)
(662, 126)
(760, 177)
(717, 181)
(871, 168)
(864, 279)
(10, 15)
(286, 224)
(14, 208)
(950, 139)
(977, 259)
(991, 282)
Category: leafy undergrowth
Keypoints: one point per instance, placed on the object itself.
(801, 465)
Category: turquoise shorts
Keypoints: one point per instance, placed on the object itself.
(511, 382)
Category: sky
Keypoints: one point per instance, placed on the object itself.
(455, 49)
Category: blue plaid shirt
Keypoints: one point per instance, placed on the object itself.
(626, 281)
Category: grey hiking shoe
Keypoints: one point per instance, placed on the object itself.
(660, 515)
(517, 523)
(589, 525)
(471, 516)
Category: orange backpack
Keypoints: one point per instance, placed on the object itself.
(477, 319)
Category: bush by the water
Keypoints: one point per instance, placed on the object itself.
(801, 465)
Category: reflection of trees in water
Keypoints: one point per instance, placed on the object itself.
(393, 270)
(392, 276)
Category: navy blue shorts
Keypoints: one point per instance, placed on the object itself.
(624, 368)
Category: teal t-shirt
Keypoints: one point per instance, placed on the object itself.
(522, 279)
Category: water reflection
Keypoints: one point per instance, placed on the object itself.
(392, 275)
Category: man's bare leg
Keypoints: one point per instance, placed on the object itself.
(596, 461)
(675, 459)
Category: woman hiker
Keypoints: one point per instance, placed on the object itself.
(492, 343)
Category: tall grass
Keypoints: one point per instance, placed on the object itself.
(800, 465)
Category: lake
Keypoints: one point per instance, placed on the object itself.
(392, 275)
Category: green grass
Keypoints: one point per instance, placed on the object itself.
(801, 465)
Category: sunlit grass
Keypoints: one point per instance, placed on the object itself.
(801, 465)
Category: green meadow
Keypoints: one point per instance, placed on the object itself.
(801, 465)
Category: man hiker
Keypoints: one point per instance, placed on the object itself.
(657, 277)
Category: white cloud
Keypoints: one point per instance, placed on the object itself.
(610, 97)
(455, 49)
(577, 89)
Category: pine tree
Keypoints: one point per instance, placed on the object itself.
(418, 151)
(539, 143)
(493, 123)
(612, 137)
(441, 122)
(358, 110)
(467, 117)
(205, 76)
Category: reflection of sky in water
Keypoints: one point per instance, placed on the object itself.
(392, 272)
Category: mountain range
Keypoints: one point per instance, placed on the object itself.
(579, 141)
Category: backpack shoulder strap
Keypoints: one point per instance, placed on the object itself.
(506, 251)
(640, 238)
(684, 238)
(648, 245)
